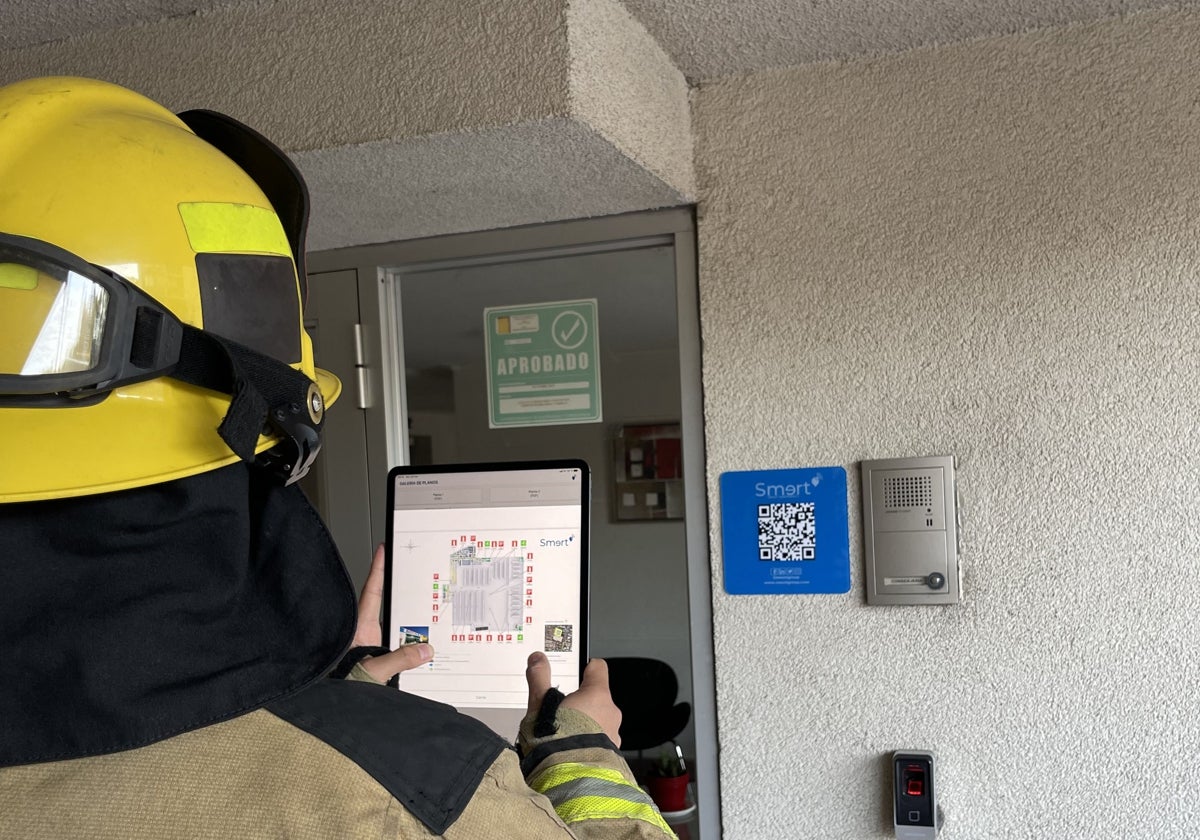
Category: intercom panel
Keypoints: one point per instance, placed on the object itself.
(910, 534)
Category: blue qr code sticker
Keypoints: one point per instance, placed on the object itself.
(787, 531)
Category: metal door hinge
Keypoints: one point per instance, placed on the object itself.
(361, 373)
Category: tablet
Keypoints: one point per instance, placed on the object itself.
(488, 563)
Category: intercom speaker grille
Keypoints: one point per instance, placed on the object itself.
(910, 491)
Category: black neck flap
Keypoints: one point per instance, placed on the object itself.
(127, 618)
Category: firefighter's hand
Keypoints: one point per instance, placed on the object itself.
(592, 698)
(370, 634)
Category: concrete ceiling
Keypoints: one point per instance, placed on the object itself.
(705, 38)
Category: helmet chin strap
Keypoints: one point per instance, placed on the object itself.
(269, 398)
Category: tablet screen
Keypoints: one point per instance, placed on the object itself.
(488, 563)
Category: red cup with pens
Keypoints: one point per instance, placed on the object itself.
(669, 781)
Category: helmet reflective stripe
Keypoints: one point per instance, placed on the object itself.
(224, 228)
(15, 276)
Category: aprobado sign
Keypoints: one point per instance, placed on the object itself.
(543, 363)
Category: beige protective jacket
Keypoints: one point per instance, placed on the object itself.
(274, 773)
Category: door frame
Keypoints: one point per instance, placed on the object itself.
(331, 312)
(373, 261)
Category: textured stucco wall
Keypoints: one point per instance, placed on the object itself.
(625, 87)
(989, 250)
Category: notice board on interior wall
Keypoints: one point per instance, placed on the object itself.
(647, 472)
(543, 364)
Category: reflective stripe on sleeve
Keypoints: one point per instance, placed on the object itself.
(579, 792)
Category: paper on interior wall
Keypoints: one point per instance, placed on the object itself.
(543, 364)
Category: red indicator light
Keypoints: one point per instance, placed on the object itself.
(916, 787)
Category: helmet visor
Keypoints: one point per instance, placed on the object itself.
(54, 318)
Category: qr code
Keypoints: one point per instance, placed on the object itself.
(787, 531)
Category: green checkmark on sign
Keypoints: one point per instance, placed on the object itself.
(569, 329)
(543, 363)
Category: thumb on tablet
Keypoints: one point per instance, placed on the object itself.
(537, 674)
(402, 659)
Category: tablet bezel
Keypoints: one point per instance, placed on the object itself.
(582, 631)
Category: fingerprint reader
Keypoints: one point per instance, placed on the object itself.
(917, 816)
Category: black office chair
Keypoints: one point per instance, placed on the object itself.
(645, 691)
